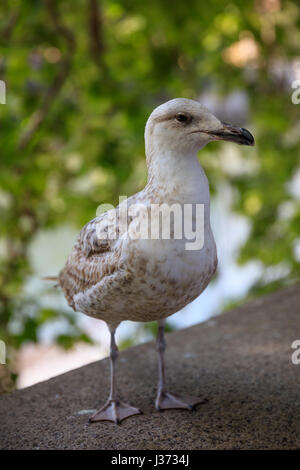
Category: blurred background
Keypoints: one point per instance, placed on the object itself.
(81, 79)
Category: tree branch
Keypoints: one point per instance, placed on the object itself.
(9, 27)
(95, 29)
(38, 117)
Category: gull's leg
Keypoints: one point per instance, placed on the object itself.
(164, 399)
(114, 409)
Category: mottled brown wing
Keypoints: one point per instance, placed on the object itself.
(90, 260)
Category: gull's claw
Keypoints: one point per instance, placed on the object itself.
(166, 400)
(115, 411)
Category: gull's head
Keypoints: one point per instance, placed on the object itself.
(185, 126)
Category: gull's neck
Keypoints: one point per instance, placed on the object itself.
(179, 176)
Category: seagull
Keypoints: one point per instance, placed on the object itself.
(129, 277)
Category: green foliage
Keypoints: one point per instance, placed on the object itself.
(82, 77)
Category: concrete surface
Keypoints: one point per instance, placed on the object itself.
(240, 361)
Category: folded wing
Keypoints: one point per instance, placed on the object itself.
(94, 257)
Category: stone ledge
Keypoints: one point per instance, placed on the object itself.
(240, 362)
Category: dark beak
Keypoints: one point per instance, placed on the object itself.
(235, 134)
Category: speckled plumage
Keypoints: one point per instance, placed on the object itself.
(144, 280)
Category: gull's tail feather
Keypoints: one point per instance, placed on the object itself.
(51, 278)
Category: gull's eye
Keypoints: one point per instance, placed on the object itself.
(181, 117)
